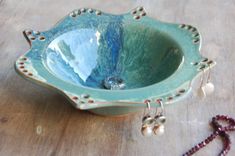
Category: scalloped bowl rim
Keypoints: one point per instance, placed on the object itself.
(131, 97)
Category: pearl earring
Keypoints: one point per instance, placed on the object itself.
(201, 92)
(209, 87)
(147, 122)
(160, 120)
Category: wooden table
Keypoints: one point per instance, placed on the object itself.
(38, 121)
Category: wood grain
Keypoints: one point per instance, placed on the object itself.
(37, 121)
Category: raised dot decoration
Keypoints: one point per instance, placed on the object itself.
(33, 35)
(75, 98)
(90, 10)
(182, 91)
(205, 60)
(24, 66)
(203, 64)
(98, 12)
(193, 31)
(179, 93)
(80, 99)
(77, 12)
(72, 14)
(143, 14)
(138, 13)
(136, 17)
(134, 12)
(195, 63)
(24, 58)
(182, 26)
(170, 98)
(196, 41)
(90, 101)
(42, 38)
(85, 96)
(81, 11)
(21, 65)
(210, 62)
(36, 32)
(140, 8)
(28, 32)
(195, 35)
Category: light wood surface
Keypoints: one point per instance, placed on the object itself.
(35, 121)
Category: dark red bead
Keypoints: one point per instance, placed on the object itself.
(201, 144)
(224, 152)
(207, 141)
(218, 130)
(226, 135)
(232, 128)
(211, 137)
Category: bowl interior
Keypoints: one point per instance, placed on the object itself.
(119, 56)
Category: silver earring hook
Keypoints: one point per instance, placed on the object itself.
(148, 107)
(161, 107)
(209, 74)
(160, 119)
(202, 78)
(190, 84)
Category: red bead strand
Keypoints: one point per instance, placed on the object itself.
(219, 130)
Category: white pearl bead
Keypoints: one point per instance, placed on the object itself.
(209, 88)
(147, 131)
(159, 130)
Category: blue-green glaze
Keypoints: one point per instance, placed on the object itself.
(156, 60)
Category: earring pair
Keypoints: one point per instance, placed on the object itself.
(153, 125)
(206, 88)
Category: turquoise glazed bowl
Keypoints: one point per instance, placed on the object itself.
(111, 64)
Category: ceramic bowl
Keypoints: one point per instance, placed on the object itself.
(111, 64)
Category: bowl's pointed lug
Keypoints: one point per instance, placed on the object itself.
(28, 36)
(32, 35)
(138, 12)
